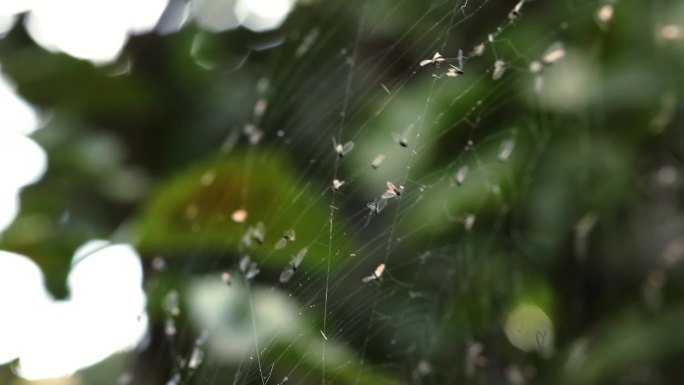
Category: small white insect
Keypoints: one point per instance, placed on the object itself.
(554, 53)
(506, 150)
(436, 60)
(478, 50)
(469, 222)
(336, 183)
(249, 268)
(499, 69)
(343, 149)
(515, 12)
(461, 175)
(377, 161)
(377, 274)
(392, 191)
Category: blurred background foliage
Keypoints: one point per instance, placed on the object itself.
(578, 248)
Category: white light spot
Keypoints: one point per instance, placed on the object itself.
(104, 314)
(215, 15)
(94, 30)
(263, 15)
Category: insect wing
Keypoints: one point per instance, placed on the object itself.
(381, 204)
(286, 275)
(244, 264)
(389, 194)
(282, 242)
(347, 148)
(253, 271)
(297, 260)
(368, 279)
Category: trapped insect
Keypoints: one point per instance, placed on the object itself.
(437, 58)
(287, 274)
(506, 150)
(336, 184)
(377, 274)
(478, 50)
(342, 149)
(288, 236)
(515, 12)
(392, 191)
(400, 139)
(377, 161)
(553, 54)
(499, 69)
(460, 176)
(248, 268)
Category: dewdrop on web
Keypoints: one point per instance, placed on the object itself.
(342, 149)
(377, 274)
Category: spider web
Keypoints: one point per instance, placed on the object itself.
(452, 249)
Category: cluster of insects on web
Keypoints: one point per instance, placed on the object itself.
(555, 52)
